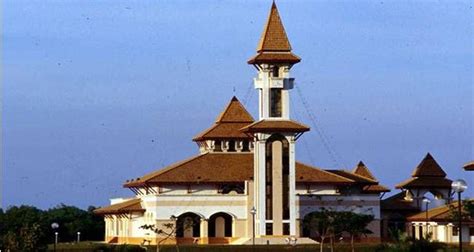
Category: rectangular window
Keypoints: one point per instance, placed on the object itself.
(455, 231)
(275, 102)
(269, 228)
(217, 146)
(471, 231)
(286, 228)
(276, 71)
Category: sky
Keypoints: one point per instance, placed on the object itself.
(98, 92)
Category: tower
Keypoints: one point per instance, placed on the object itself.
(274, 133)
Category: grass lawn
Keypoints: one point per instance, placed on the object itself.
(90, 246)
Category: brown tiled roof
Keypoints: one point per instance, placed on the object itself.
(133, 205)
(362, 170)
(469, 166)
(355, 177)
(234, 112)
(441, 213)
(274, 46)
(263, 126)
(228, 123)
(204, 168)
(227, 167)
(375, 189)
(424, 182)
(274, 36)
(397, 202)
(310, 174)
(428, 168)
(274, 57)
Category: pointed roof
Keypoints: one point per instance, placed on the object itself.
(274, 46)
(274, 36)
(428, 167)
(228, 123)
(428, 174)
(362, 170)
(234, 112)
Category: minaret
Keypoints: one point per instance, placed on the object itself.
(274, 133)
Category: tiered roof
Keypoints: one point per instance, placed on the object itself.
(428, 174)
(228, 123)
(274, 46)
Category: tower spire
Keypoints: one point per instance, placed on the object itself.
(274, 46)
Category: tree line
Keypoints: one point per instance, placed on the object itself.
(27, 228)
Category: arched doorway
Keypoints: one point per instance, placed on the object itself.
(220, 225)
(188, 225)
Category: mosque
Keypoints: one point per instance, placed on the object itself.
(245, 180)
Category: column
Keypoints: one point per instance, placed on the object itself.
(261, 187)
(203, 230)
(292, 196)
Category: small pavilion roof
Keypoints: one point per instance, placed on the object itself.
(263, 126)
(428, 174)
(274, 46)
(228, 123)
(428, 167)
(128, 206)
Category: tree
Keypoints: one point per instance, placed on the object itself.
(23, 229)
(467, 212)
(322, 222)
(355, 224)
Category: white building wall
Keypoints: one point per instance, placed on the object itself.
(164, 206)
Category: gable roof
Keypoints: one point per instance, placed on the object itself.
(428, 167)
(362, 170)
(128, 206)
(274, 46)
(355, 177)
(228, 123)
(227, 167)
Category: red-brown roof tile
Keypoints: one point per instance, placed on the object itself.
(264, 126)
(129, 206)
(428, 167)
(228, 123)
(362, 170)
(227, 167)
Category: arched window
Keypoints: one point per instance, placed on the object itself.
(220, 225)
(188, 225)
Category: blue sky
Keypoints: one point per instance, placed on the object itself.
(97, 92)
